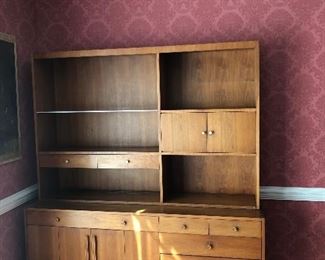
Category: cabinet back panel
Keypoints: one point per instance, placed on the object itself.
(112, 180)
(121, 82)
(98, 130)
(212, 79)
(210, 174)
(43, 84)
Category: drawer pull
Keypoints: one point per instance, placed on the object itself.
(210, 245)
(211, 132)
(124, 222)
(204, 132)
(128, 161)
(67, 161)
(184, 227)
(236, 228)
(57, 219)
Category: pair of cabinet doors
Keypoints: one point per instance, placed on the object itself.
(224, 132)
(54, 243)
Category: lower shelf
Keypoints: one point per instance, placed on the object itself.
(213, 200)
(111, 196)
(240, 201)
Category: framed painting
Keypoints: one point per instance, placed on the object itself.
(10, 148)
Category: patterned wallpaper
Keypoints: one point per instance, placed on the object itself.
(292, 37)
(16, 18)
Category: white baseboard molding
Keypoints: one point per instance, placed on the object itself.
(292, 193)
(267, 193)
(15, 200)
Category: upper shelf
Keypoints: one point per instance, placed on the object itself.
(96, 111)
(209, 110)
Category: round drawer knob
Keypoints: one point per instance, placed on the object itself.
(210, 245)
(57, 219)
(124, 222)
(128, 161)
(67, 161)
(184, 227)
(236, 229)
(211, 132)
(204, 132)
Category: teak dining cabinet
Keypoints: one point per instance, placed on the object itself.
(147, 153)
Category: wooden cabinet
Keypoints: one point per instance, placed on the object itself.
(107, 244)
(42, 242)
(220, 132)
(143, 147)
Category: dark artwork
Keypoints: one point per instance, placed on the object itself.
(9, 124)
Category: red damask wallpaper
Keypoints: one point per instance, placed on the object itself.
(292, 37)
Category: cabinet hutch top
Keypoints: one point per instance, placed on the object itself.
(149, 50)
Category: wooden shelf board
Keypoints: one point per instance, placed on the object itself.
(214, 200)
(212, 110)
(102, 150)
(209, 154)
(96, 111)
(111, 196)
(145, 209)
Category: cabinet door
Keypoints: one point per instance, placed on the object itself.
(231, 132)
(183, 132)
(42, 243)
(107, 244)
(141, 245)
(74, 244)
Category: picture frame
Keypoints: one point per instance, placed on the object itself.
(10, 135)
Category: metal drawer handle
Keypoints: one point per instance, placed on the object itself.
(57, 219)
(235, 228)
(128, 161)
(210, 245)
(124, 222)
(184, 227)
(204, 132)
(211, 132)
(67, 161)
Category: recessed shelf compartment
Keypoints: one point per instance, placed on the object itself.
(97, 131)
(96, 111)
(225, 181)
(208, 79)
(96, 83)
(112, 185)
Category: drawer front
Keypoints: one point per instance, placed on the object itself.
(128, 161)
(183, 225)
(88, 219)
(68, 161)
(237, 228)
(212, 246)
(184, 257)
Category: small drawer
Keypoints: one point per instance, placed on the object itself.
(237, 228)
(184, 257)
(183, 225)
(89, 219)
(128, 161)
(212, 246)
(68, 161)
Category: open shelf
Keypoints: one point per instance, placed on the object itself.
(96, 111)
(208, 79)
(56, 132)
(103, 150)
(100, 184)
(96, 83)
(215, 200)
(210, 180)
(111, 196)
